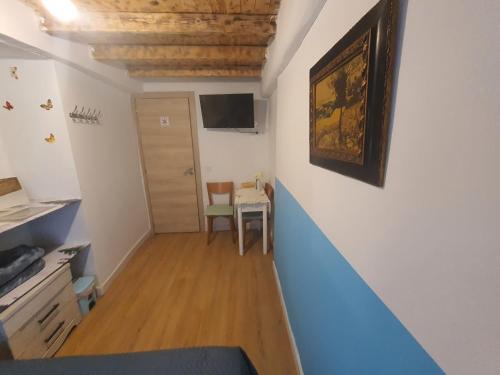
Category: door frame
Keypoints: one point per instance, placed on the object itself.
(190, 95)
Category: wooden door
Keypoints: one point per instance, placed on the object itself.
(166, 135)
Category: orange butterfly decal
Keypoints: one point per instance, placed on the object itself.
(51, 138)
(47, 106)
(8, 106)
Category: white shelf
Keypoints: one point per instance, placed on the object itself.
(50, 207)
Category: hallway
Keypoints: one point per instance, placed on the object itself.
(177, 292)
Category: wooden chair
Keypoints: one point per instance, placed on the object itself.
(257, 216)
(219, 210)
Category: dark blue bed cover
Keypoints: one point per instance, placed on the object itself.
(196, 361)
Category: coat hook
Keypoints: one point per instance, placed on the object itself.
(72, 115)
(87, 116)
(81, 115)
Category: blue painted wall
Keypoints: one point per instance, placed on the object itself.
(340, 325)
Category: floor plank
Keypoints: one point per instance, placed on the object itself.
(177, 292)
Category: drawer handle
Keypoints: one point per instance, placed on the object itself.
(47, 316)
(59, 326)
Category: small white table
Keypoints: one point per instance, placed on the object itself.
(252, 200)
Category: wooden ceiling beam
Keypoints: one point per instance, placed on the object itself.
(180, 56)
(172, 38)
(204, 72)
(165, 28)
(174, 6)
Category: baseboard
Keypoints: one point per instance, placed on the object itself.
(288, 326)
(103, 287)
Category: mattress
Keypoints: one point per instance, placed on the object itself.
(196, 361)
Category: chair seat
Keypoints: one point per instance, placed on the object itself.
(219, 210)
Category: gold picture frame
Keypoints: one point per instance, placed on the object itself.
(350, 92)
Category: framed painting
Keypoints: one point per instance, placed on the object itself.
(350, 98)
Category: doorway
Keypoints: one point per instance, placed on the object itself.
(169, 147)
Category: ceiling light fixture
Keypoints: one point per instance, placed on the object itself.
(63, 10)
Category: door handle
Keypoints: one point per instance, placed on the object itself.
(189, 172)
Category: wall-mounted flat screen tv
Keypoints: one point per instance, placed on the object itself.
(227, 111)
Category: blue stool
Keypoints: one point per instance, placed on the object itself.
(84, 288)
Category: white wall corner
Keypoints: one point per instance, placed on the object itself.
(295, 18)
(102, 287)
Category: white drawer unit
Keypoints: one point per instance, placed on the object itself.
(39, 322)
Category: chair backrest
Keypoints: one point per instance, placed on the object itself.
(268, 188)
(220, 188)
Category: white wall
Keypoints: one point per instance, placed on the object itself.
(226, 155)
(98, 163)
(294, 20)
(20, 235)
(108, 167)
(106, 157)
(272, 120)
(46, 171)
(427, 243)
(5, 168)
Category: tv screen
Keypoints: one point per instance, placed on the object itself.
(227, 111)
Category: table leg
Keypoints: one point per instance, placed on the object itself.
(264, 230)
(240, 231)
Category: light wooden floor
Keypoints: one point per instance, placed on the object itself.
(177, 292)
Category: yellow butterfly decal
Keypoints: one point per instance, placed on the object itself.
(13, 72)
(51, 138)
(47, 106)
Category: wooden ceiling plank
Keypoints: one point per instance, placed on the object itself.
(36, 5)
(267, 6)
(247, 6)
(153, 38)
(173, 38)
(180, 56)
(206, 72)
(218, 6)
(169, 22)
(233, 6)
(166, 28)
(171, 6)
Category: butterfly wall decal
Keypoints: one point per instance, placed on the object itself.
(8, 106)
(47, 106)
(51, 138)
(13, 72)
